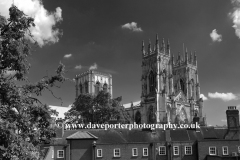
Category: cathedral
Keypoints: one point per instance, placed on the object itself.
(170, 88)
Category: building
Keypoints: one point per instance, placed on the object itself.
(170, 87)
(92, 82)
(205, 143)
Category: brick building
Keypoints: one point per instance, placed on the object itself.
(205, 143)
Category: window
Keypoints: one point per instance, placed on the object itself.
(86, 87)
(52, 153)
(81, 88)
(99, 152)
(117, 152)
(212, 150)
(145, 151)
(105, 87)
(188, 150)
(134, 152)
(162, 150)
(175, 150)
(225, 150)
(60, 154)
(152, 82)
(97, 86)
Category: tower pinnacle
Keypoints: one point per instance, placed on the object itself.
(143, 48)
(157, 44)
(149, 47)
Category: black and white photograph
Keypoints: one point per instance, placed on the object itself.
(119, 79)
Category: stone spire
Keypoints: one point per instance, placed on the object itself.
(149, 47)
(143, 49)
(186, 56)
(168, 47)
(157, 44)
(163, 46)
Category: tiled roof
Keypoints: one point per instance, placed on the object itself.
(107, 136)
(116, 136)
(179, 135)
(208, 133)
(82, 135)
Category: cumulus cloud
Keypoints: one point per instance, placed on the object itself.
(203, 97)
(224, 120)
(45, 31)
(223, 96)
(78, 67)
(215, 36)
(132, 26)
(67, 55)
(94, 66)
(235, 16)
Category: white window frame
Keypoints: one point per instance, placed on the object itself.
(100, 152)
(175, 147)
(53, 153)
(160, 150)
(114, 152)
(187, 151)
(144, 152)
(223, 150)
(58, 153)
(215, 149)
(133, 154)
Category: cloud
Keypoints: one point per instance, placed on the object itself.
(45, 31)
(132, 26)
(223, 96)
(203, 97)
(67, 55)
(224, 120)
(94, 66)
(215, 36)
(78, 67)
(235, 16)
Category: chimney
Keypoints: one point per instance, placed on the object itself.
(232, 122)
(232, 118)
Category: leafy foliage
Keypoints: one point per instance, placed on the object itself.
(95, 109)
(25, 122)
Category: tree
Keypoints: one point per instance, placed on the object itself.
(25, 122)
(96, 109)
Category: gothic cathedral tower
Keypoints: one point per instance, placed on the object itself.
(170, 88)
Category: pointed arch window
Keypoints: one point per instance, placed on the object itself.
(193, 88)
(152, 81)
(97, 87)
(81, 88)
(105, 87)
(86, 87)
(151, 115)
(138, 117)
(182, 85)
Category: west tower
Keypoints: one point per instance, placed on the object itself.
(170, 87)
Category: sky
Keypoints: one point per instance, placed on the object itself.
(107, 35)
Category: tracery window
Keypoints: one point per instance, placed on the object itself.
(81, 88)
(105, 87)
(182, 85)
(151, 115)
(86, 87)
(97, 87)
(152, 81)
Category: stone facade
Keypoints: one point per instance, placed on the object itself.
(92, 82)
(170, 88)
